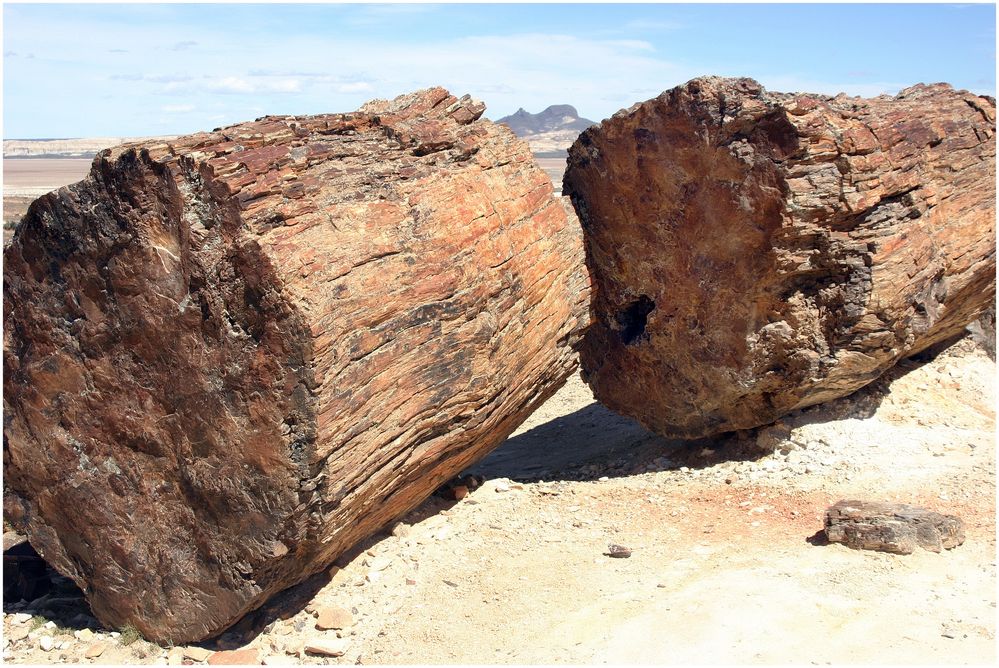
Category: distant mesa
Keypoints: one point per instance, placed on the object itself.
(65, 148)
(549, 132)
(556, 118)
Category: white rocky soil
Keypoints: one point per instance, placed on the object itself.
(727, 560)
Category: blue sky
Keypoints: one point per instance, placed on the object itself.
(129, 70)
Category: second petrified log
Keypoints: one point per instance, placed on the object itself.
(229, 357)
(755, 252)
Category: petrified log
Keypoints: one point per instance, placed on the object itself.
(891, 527)
(229, 357)
(753, 252)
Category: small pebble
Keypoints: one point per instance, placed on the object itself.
(618, 551)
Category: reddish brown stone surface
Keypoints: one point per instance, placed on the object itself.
(229, 357)
(755, 252)
(237, 657)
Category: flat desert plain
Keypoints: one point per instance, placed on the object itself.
(25, 179)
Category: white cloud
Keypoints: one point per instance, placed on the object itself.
(529, 69)
(355, 87)
(283, 85)
(177, 108)
(230, 85)
(246, 85)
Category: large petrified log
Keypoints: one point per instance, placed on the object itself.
(755, 252)
(229, 357)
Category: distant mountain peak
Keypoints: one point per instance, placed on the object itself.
(556, 118)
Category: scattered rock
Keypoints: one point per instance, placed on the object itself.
(618, 551)
(175, 656)
(327, 646)
(84, 635)
(235, 657)
(459, 492)
(295, 647)
(95, 650)
(197, 653)
(891, 527)
(501, 486)
(334, 618)
(380, 563)
(46, 643)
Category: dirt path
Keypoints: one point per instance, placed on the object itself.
(726, 566)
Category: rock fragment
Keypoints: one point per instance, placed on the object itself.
(95, 650)
(327, 646)
(891, 527)
(197, 653)
(334, 618)
(235, 657)
(618, 551)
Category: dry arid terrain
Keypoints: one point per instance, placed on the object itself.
(24, 180)
(554, 168)
(728, 564)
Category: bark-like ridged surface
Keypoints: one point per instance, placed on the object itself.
(753, 252)
(231, 356)
(892, 527)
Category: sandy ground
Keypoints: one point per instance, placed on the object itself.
(728, 563)
(26, 179)
(37, 176)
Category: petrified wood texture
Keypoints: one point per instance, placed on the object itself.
(229, 357)
(754, 252)
(892, 527)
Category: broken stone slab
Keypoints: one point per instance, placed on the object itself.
(334, 617)
(754, 252)
(230, 356)
(235, 657)
(891, 527)
(327, 646)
